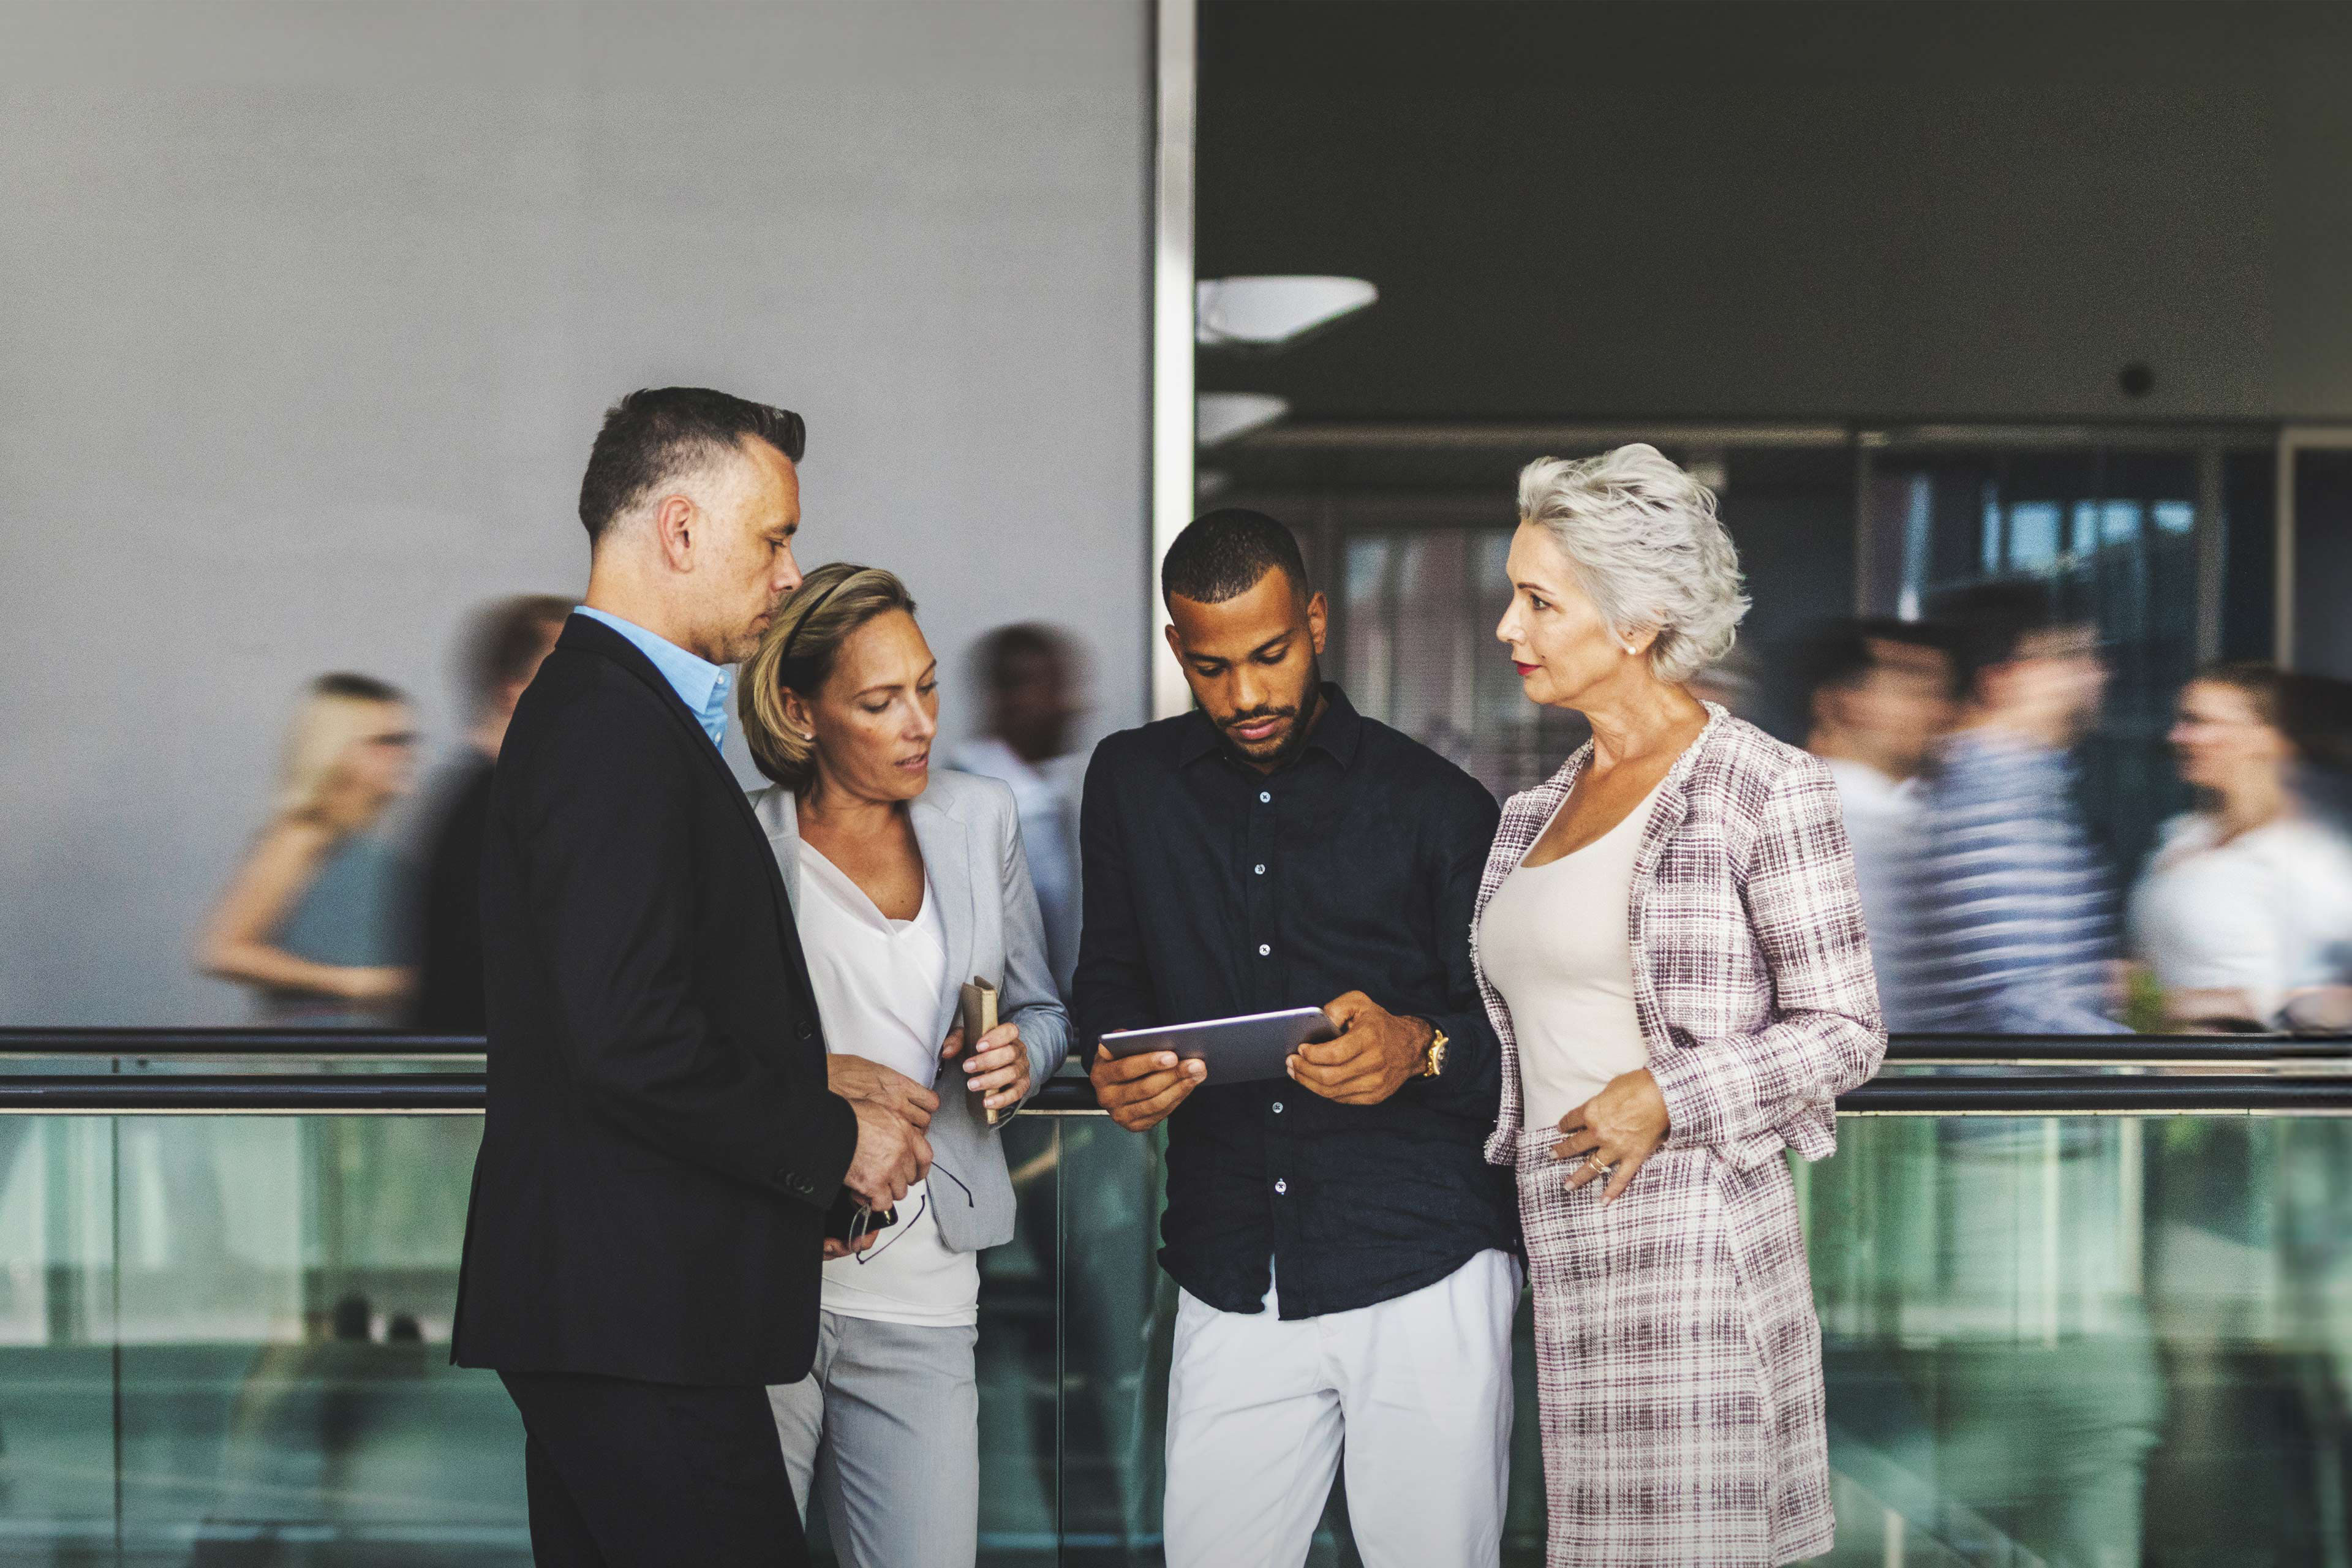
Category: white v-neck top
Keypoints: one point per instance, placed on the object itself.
(1555, 940)
(879, 983)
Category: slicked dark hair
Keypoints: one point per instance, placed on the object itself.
(993, 657)
(654, 435)
(1990, 622)
(1841, 654)
(1223, 553)
(505, 641)
(358, 688)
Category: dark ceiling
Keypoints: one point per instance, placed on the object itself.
(1763, 209)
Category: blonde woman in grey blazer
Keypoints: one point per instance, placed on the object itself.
(905, 883)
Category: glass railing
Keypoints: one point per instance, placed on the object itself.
(2082, 1302)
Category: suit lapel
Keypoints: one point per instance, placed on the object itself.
(1666, 816)
(947, 849)
(590, 636)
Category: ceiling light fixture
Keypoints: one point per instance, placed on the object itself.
(1273, 311)
(1222, 416)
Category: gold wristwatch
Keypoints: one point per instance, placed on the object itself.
(1433, 1059)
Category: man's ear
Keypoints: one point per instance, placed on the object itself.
(1174, 644)
(676, 520)
(1319, 619)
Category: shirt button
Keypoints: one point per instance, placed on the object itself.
(1266, 797)
(1264, 950)
(1259, 869)
(1281, 1187)
(1277, 1108)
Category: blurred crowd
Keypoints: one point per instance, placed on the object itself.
(1992, 907)
(332, 921)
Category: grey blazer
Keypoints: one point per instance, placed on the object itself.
(970, 833)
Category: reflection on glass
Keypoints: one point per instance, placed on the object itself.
(2062, 1341)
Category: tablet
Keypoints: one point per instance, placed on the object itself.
(1236, 1049)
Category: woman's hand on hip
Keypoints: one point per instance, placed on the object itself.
(1614, 1131)
(860, 1081)
(999, 1071)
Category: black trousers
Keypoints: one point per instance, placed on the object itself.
(648, 1475)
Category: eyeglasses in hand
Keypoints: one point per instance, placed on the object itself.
(857, 1221)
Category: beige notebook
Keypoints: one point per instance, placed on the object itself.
(979, 1017)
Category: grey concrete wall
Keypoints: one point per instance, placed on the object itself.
(310, 313)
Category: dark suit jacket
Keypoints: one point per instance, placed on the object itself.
(449, 950)
(660, 1148)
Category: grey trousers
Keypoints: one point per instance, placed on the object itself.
(886, 1433)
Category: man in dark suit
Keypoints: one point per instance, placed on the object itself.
(661, 1148)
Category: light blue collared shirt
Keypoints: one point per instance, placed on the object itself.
(701, 684)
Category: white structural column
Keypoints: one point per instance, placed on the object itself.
(1173, 307)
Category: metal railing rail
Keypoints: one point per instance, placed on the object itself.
(1983, 1076)
(2245, 1052)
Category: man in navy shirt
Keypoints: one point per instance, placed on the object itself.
(1344, 1250)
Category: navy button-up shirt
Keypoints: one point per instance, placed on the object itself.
(1212, 890)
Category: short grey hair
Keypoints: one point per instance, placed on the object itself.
(1647, 549)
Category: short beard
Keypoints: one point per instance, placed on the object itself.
(1300, 728)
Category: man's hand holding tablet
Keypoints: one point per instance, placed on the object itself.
(1140, 1090)
(1375, 1052)
(1352, 1052)
(1141, 1075)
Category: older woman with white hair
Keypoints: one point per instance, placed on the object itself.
(1671, 948)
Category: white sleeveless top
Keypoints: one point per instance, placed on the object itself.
(877, 988)
(1555, 941)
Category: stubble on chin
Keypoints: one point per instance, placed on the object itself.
(746, 641)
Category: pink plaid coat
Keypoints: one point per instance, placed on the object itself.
(1678, 1358)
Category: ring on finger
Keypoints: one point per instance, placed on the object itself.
(1595, 1164)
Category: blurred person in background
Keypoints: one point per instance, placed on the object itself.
(2047, 1392)
(905, 882)
(1877, 696)
(1029, 677)
(1730, 685)
(2318, 716)
(1671, 947)
(2016, 922)
(503, 650)
(314, 918)
(2316, 713)
(2248, 898)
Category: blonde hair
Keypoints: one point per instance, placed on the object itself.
(1647, 548)
(336, 711)
(796, 654)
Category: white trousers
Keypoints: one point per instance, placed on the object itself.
(1415, 1392)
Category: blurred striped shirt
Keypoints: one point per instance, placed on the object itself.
(2013, 913)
